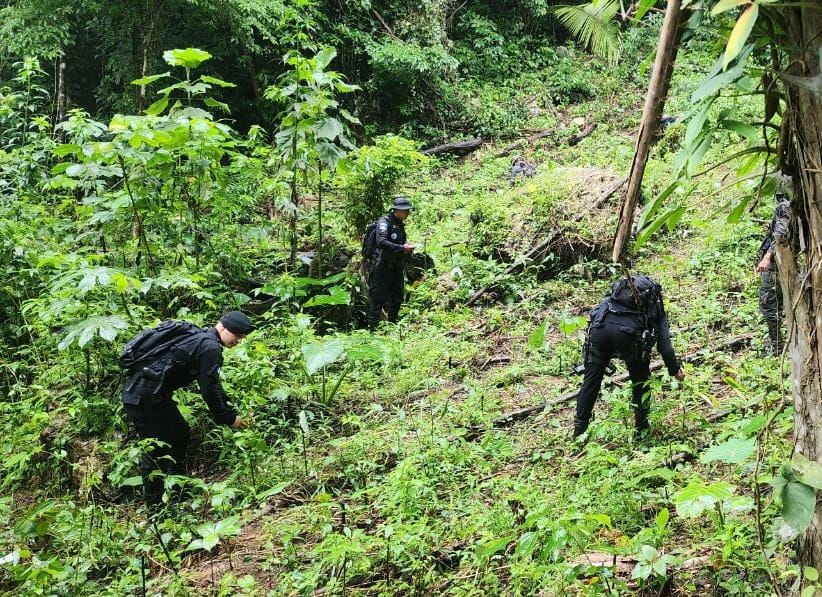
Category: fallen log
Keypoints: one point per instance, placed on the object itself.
(586, 132)
(510, 418)
(460, 148)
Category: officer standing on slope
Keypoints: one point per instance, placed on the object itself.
(148, 394)
(626, 324)
(386, 281)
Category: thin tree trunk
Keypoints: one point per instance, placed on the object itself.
(654, 102)
(800, 262)
(61, 88)
(294, 199)
(320, 219)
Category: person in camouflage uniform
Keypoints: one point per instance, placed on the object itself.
(770, 291)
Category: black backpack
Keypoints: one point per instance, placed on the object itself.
(642, 298)
(369, 239)
(149, 344)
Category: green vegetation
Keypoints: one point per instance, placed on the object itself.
(377, 463)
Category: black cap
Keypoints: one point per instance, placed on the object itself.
(401, 203)
(237, 323)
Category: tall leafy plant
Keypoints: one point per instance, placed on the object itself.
(313, 128)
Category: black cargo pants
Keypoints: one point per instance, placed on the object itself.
(162, 422)
(386, 286)
(605, 342)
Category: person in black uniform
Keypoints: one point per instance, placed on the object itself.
(149, 404)
(386, 283)
(626, 324)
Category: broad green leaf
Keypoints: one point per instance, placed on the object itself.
(697, 497)
(644, 235)
(330, 129)
(149, 79)
(537, 337)
(753, 425)
(724, 5)
(718, 79)
(698, 153)
(526, 544)
(344, 87)
(798, 504)
(570, 324)
(321, 354)
(811, 573)
(740, 34)
(642, 8)
(696, 125)
(651, 209)
(275, 490)
(216, 81)
(366, 350)
(662, 519)
(188, 58)
(336, 296)
(807, 471)
(491, 547)
(157, 107)
(743, 128)
(733, 451)
(212, 103)
(736, 212)
(324, 57)
(132, 481)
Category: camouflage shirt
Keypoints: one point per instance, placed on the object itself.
(778, 228)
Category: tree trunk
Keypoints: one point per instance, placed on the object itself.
(654, 102)
(800, 262)
(61, 88)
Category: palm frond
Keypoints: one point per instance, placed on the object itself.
(592, 24)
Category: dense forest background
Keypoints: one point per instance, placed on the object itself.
(177, 159)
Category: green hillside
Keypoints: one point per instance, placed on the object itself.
(396, 462)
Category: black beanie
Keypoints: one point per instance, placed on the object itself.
(237, 323)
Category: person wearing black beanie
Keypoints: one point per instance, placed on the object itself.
(160, 361)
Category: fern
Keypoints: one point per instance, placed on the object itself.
(592, 24)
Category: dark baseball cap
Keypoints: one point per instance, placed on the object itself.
(237, 323)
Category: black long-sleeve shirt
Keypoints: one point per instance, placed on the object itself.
(196, 358)
(390, 241)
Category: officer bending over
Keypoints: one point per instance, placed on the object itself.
(148, 395)
(626, 324)
(386, 281)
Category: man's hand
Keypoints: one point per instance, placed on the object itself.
(238, 423)
(408, 248)
(680, 375)
(765, 264)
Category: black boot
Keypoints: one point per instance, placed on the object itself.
(774, 339)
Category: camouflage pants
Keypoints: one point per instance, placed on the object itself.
(770, 295)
